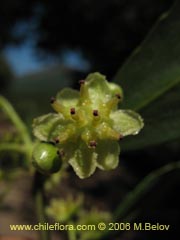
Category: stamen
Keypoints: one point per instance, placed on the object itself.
(118, 95)
(68, 133)
(106, 132)
(112, 103)
(58, 107)
(95, 113)
(82, 82)
(75, 115)
(121, 136)
(96, 119)
(92, 144)
(84, 94)
(72, 111)
(52, 100)
(86, 136)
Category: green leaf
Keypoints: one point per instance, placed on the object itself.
(108, 154)
(162, 121)
(83, 161)
(151, 82)
(126, 122)
(49, 126)
(68, 97)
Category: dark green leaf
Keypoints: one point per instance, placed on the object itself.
(151, 82)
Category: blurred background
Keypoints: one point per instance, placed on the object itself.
(47, 45)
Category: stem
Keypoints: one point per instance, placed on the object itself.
(39, 202)
(13, 147)
(16, 120)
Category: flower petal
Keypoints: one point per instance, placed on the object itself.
(97, 88)
(49, 126)
(83, 161)
(115, 89)
(100, 90)
(68, 97)
(127, 122)
(108, 154)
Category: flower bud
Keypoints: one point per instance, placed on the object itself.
(46, 158)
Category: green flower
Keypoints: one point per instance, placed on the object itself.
(88, 125)
(63, 210)
(93, 217)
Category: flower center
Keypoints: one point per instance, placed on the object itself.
(86, 123)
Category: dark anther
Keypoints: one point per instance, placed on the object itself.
(56, 140)
(81, 82)
(118, 95)
(92, 144)
(72, 111)
(52, 100)
(120, 137)
(61, 153)
(95, 113)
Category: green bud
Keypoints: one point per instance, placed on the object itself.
(46, 158)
